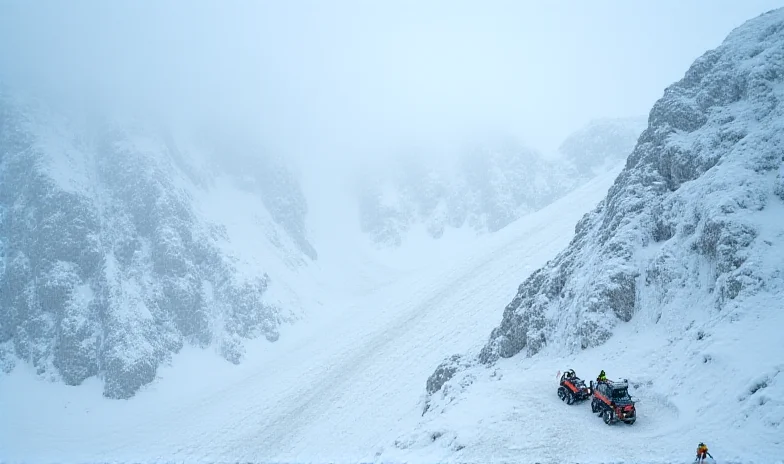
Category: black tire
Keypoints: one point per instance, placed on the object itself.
(631, 421)
(608, 416)
(569, 398)
(562, 393)
(594, 407)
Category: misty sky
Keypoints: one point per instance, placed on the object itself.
(348, 79)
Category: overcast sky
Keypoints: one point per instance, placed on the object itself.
(342, 79)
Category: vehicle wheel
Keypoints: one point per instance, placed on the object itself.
(569, 398)
(608, 417)
(562, 393)
(631, 421)
(594, 407)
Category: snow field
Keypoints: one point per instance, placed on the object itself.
(341, 385)
(721, 387)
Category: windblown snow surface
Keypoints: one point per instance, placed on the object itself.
(674, 281)
(349, 382)
(339, 386)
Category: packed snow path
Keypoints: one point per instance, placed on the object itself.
(342, 392)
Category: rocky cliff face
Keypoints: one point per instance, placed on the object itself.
(696, 214)
(486, 189)
(108, 268)
(490, 186)
(602, 143)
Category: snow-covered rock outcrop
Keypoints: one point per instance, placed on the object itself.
(696, 215)
(109, 264)
(481, 190)
(489, 186)
(602, 143)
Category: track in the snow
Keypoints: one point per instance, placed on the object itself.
(352, 388)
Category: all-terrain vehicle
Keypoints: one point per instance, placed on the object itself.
(612, 402)
(572, 389)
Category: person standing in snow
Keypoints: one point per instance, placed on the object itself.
(601, 378)
(702, 452)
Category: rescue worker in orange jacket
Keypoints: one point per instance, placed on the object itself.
(702, 452)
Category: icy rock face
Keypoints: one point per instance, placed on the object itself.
(106, 269)
(445, 371)
(490, 186)
(779, 189)
(601, 143)
(690, 194)
(685, 219)
(483, 191)
(270, 179)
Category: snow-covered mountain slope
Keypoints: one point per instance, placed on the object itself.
(486, 186)
(349, 385)
(675, 281)
(340, 386)
(602, 143)
(122, 244)
(695, 208)
(721, 387)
